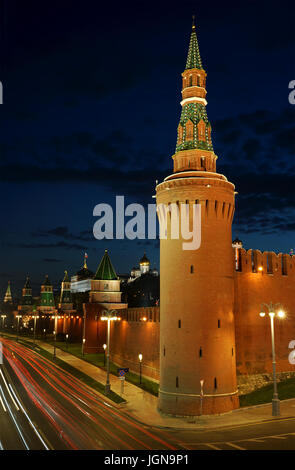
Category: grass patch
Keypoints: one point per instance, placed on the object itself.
(286, 389)
(73, 371)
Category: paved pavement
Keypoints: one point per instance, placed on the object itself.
(143, 406)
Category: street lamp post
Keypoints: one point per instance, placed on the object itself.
(17, 330)
(44, 331)
(54, 336)
(104, 355)
(271, 308)
(83, 345)
(54, 344)
(67, 337)
(140, 366)
(35, 321)
(110, 315)
(3, 320)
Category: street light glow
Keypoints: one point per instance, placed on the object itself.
(140, 357)
(272, 308)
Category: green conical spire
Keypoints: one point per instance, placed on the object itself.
(66, 277)
(8, 296)
(47, 281)
(65, 294)
(193, 57)
(27, 293)
(105, 270)
(27, 283)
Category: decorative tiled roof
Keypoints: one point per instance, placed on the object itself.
(193, 58)
(105, 270)
(47, 281)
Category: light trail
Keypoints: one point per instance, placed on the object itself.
(28, 418)
(6, 385)
(14, 420)
(77, 396)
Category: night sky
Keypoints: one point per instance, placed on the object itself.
(91, 107)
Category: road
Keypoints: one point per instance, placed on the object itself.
(278, 434)
(44, 407)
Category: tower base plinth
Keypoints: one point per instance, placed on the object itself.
(190, 405)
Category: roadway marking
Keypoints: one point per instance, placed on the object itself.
(212, 446)
(256, 440)
(1, 401)
(14, 420)
(234, 445)
(30, 421)
(9, 390)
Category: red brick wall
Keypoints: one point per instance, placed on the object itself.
(132, 336)
(135, 336)
(252, 287)
(129, 337)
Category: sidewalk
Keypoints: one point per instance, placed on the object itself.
(143, 406)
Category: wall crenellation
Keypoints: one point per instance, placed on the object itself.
(265, 263)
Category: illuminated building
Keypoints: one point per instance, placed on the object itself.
(81, 282)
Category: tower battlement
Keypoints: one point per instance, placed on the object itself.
(266, 263)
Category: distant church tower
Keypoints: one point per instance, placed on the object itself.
(47, 298)
(8, 296)
(144, 264)
(197, 336)
(65, 300)
(27, 299)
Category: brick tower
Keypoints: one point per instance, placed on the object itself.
(197, 336)
(47, 304)
(65, 300)
(27, 299)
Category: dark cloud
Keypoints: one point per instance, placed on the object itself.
(51, 260)
(63, 232)
(63, 245)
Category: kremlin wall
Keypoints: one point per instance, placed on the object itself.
(202, 338)
(258, 277)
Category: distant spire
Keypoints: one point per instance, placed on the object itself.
(27, 283)
(66, 277)
(65, 293)
(85, 263)
(46, 281)
(193, 57)
(27, 293)
(8, 296)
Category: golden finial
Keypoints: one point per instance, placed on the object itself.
(85, 263)
(193, 25)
